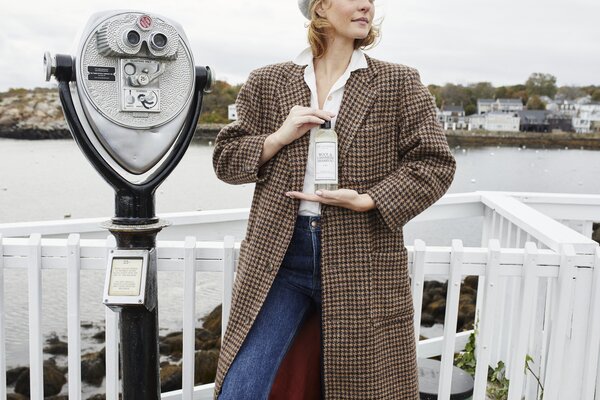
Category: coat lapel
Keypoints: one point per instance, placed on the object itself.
(359, 95)
(296, 92)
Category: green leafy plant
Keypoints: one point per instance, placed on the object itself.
(498, 383)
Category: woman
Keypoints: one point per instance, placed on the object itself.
(340, 253)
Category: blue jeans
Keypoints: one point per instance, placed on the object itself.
(296, 290)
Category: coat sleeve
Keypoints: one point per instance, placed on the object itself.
(239, 145)
(426, 167)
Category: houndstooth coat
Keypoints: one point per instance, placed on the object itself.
(391, 147)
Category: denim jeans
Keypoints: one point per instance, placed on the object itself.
(296, 290)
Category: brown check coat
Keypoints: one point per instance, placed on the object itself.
(391, 147)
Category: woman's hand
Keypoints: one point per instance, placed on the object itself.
(347, 198)
(299, 121)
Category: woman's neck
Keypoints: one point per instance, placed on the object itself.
(335, 61)
(333, 64)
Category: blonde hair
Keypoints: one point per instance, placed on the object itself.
(317, 32)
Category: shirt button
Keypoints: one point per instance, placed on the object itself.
(330, 98)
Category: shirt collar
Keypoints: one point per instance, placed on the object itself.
(357, 61)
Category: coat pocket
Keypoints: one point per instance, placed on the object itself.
(390, 294)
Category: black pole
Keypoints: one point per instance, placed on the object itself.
(135, 227)
(140, 360)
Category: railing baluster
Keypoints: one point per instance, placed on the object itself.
(73, 315)
(112, 340)
(590, 366)
(452, 297)
(501, 229)
(189, 317)
(525, 314)
(487, 319)
(537, 339)
(486, 229)
(552, 381)
(418, 283)
(36, 357)
(2, 325)
(228, 269)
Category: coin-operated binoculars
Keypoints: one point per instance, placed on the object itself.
(132, 97)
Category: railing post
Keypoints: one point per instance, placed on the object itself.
(36, 357)
(189, 318)
(590, 368)
(487, 319)
(228, 270)
(553, 382)
(73, 319)
(525, 314)
(452, 297)
(418, 284)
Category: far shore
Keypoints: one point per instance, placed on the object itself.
(208, 132)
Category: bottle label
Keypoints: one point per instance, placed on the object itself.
(326, 161)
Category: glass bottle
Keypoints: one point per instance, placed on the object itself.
(326, 158)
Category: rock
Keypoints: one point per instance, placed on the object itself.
(93, 367)
(16, 396)
(54, 380)
(596, 231)
(471, 281)
(170, 377)
(56, 346)
(437, 309)
(173, 342)
(205, 339)
(100, 336)
(205, 368)
(212, 322)
(13, 374)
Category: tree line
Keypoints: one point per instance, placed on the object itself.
(214, 109)
(537, 85)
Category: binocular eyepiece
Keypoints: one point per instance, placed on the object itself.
(132, 82)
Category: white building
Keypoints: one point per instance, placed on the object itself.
(452, 117)
(495, 121)
(231, 112)
(587, 118)
(499, 105)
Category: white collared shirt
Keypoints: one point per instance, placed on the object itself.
(332, 104)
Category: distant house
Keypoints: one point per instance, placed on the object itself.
(452, 117)
(485, 106)
(560, 122)
(231, 112)
(587, 118)
(534, 121)
(566, 107)
(495, 121)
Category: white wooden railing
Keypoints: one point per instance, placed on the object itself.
(538, 292)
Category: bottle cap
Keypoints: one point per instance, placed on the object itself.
(326, 125)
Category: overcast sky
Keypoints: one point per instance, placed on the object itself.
(460, 41)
